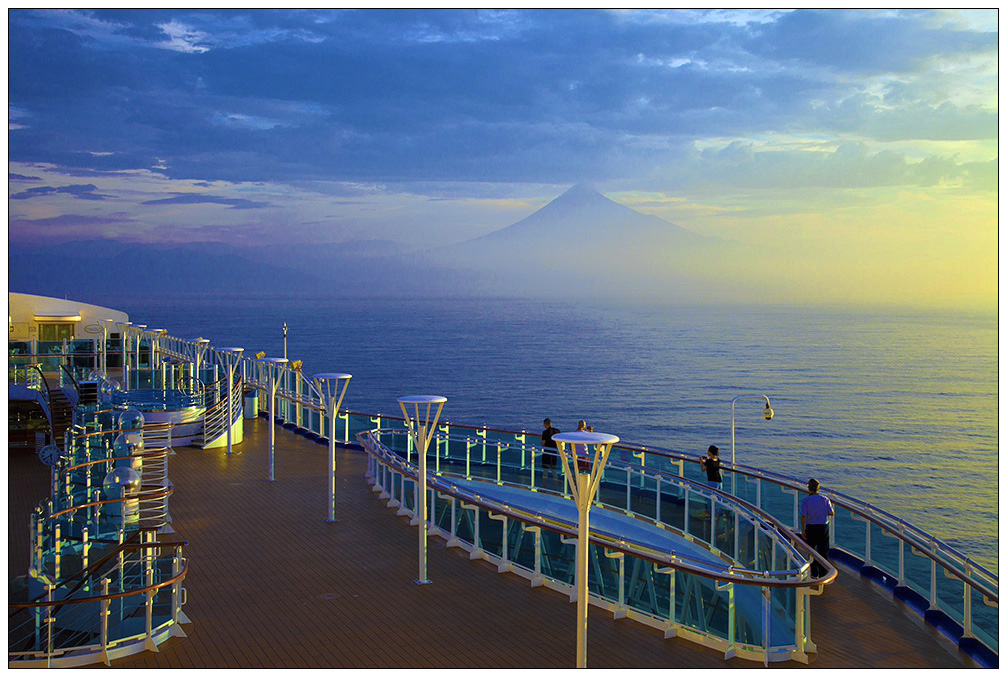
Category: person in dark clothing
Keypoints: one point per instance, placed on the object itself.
(711, 464)
(815, 513)
(550, 456)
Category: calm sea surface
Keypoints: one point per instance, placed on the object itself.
(896, 408)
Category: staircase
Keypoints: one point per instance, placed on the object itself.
(61, 411)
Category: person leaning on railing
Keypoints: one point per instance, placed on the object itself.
(816, 510)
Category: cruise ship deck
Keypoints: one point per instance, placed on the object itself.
(272, 584)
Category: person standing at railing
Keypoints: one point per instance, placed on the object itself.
(816, 510)
(550, 455)
(711, 465)
(583, 462)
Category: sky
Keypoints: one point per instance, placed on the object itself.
(859, 145)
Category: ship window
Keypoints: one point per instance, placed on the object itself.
(55, 331)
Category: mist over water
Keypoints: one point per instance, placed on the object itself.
(897, 408)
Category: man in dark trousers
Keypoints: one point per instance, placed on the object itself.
(550, 455)
(815, 513)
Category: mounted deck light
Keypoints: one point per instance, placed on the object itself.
(583, 474)
(332, 387)
(767, 413)
(274, 368)
(419, 425)
(231, 355)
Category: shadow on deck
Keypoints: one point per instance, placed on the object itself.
(272, 584)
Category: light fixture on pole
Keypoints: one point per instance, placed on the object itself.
(232, 355)
(139, 334)
(274, 367)
(200, 345)
(284, 340)
(332, 387)
(106, 324)
(124, 339)
(583, 472)
(419, 428)
(767, 413)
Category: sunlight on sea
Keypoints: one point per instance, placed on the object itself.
(896, 408)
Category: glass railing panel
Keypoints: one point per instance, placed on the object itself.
(985, 621)
(849, 533)
(441, 511)
(745, 487)
(612, 489)
(778, 503)
(464, 524)
(764, 551)
(884, 550)
(558, 560)
(642, 583)
(672, 506)
(723, 531)
(490, 534)
(951, 596)
(917, 572)
(521, 545)
(782, 616)
(699, 605)
(699, 516)
(747, 552)
(643, 496)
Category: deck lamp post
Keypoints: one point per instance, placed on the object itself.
(420, 426)
(231, 357)
(583, 479)
(284, 340)
(332, 387)
(106, 324)
(139, 335)
(767, 413)
(155, 346)
(200, 345)
(124, 337)
(274, 367)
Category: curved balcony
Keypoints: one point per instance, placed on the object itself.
(708, 568)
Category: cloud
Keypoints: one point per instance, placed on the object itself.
(21, 177)
(192, 198)
(81, 192)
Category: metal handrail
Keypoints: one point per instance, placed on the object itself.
(859, 507)
(681, 562)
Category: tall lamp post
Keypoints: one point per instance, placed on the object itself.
(274, 367)
(583, 479)
(284, 340)
(231, 355)
(200, 345)
(419, 428)
(139, 336)
(767, 413)
(106, 324)
(332, 387)
(124, 337)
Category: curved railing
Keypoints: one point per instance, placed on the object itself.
(953, 592)
(721, 542)
(106, 571)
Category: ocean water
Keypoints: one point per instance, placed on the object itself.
(897, 408)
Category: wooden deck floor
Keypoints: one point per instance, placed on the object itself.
(271, 584)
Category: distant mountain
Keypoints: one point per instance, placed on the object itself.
(585, 243)
(583, 217)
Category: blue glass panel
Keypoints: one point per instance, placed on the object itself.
(849, 533)
(673, 505)
(699, 517)
(643, 499)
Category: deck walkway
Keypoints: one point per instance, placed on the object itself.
(271, 584)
